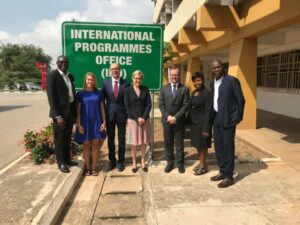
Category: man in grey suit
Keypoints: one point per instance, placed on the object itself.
(228, 109)
(173, 104)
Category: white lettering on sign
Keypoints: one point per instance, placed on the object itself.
(107, 60)
(113, 47)
(111, 35)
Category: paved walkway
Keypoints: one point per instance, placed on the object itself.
(264, 192)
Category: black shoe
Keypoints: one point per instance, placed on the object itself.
(72, 163)
(201, 171)
(196, 167)
(111, 166)
(169, 167)
(63, 168)
(121, 166)
(135, 169)
(218, 177)
(145, 169)
(228, 181)
(181, 168)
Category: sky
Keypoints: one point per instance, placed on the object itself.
(39, 22)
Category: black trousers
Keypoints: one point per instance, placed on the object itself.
(111, 130)
(62, 138)
(174, 134)
(225, 149)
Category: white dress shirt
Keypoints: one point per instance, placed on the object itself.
(113, 80)
(68, 83)
(217, 84)
(172, 86)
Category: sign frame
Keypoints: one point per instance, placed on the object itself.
(158, 74)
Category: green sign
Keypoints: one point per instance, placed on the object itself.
(92, 47)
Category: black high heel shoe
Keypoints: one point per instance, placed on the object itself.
(134, 170)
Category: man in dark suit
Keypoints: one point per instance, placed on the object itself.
(61, 94)
(228, 110)
(113, 95)
(173, 104)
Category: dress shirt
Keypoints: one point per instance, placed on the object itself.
(217, 84)
(68, 83)
(172, 86)
(113, 82)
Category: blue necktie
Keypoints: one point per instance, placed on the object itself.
(174, 91)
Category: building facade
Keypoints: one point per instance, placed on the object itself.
(258, 39)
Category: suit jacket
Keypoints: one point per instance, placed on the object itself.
(114, 106)
(58, 94)
(200, 111)
(231, 102)
(137, 106)
(175, 107)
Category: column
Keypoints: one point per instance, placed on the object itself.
(242, 64)
(193, 66)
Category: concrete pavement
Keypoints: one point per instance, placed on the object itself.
(265, 192)
(18, 113)
(262, 194)
(35, 194)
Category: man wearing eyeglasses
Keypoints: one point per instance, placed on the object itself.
(113, 94)
(61, 98)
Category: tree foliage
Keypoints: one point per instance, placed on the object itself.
(17, 63)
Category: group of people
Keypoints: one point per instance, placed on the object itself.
(222, 109)
(98, 113)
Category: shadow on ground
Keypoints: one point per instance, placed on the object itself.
(4, 108)
(282, 124)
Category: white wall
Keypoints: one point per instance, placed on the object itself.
(280, 103)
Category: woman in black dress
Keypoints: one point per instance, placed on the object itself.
(200, 117)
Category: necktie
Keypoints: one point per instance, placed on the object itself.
(116, 89)
(174, 91)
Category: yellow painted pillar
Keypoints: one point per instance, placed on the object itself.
(242, 64)
(193, 66)
(165, 77)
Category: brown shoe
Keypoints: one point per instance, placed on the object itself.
(218, 177)
(226, 183)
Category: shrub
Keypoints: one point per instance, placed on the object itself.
(41, 145)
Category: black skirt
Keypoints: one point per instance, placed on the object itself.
(197, 140)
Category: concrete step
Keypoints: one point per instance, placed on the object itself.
(119, 206)
(132, 221)
(80, 209)
(122, 185)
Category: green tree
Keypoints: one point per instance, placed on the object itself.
(17, 63)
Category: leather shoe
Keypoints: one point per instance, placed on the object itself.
(181, 168)
(226, 183)
(169, 167)
(111, 166)
(121, 166)
(218, 177)
(63, 168)
(72, 163)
